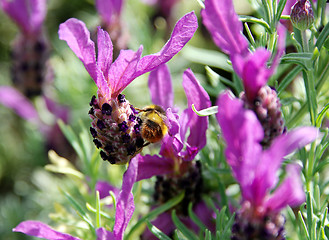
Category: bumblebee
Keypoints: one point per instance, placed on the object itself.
(153, 126)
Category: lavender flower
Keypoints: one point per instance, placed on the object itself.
(256, 170)
(110, 13)
(223, 24)
(30, 50)
(113, 129)
(124, 211)
(175, 167)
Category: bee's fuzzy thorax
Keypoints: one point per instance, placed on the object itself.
(115, 129)
(153, 127)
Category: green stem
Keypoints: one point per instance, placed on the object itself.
(308, 75)
(310, 167)
(305, 43)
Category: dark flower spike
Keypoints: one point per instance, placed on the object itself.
(112, 78)
(30, 50)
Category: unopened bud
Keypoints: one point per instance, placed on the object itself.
(302, 15)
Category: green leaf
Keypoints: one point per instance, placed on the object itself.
(81, 212)
(195, 218)
(297, 58)
(321, 115)
(322, 37)
(157, 211)
(205, 112)
(103, 214)
(288, 78)
(207, 235)
(303, 225)
(72, 138)
(181, 227)
(309, 211)
(98, 207)
(218, 81)
(280, 8)
(156, 231)
(250, 19)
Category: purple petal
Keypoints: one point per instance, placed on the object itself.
(104, 189)
(223, 23)
(149, 166)
(11, 98)
(199, 97)
(172, 122)
(28, 14)
(160, 87)
(125, 202)
(60, 111)
(108, 9)
(181, 34)
(122, 70)
(266, 178)
(102, 234)
(287, 143)
(289, 193)
(105, 51)
(41, 230)
(255, 73)
(242, 133)
(77, 36)
(206, 215)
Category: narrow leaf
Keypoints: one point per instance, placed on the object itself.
(288, 78)
(321, 115)
(323, 36)
(280, 8)
(156, 231)
(195, 218)
(181, 227)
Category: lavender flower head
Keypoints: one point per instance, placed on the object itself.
(115, 126)
(30, 50)
(175, 167)
(256, 170)
(223, 23)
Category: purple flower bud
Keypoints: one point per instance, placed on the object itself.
(302, 15)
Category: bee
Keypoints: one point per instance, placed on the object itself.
(153, 126)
